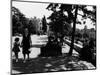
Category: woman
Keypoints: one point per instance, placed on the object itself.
(26, 42)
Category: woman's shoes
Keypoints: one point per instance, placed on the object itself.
(24, 61)
(16, 60)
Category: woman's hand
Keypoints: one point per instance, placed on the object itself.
(21, 45)
(31, 44)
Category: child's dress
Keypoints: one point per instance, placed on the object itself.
(16, 47)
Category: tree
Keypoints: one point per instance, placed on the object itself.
(72, 16)
(87, 14)
(60, 24)
(73, 32)
(19, 21)
(32, 27)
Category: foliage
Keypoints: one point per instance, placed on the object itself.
(60, 23)
(71, 17)
(19, 22)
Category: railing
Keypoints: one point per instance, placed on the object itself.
(77, 47)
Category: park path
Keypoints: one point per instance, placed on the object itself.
(37, 41)
(47, 64)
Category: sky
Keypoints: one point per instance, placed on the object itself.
(31, 9)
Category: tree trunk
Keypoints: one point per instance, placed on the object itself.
(73, 32)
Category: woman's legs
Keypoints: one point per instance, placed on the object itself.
(28, 56)
(28, 52)
(16, 55)
(24, 55)
(25, 52)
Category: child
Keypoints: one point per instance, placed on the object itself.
(16, 48)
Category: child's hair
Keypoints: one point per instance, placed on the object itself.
(16, 39)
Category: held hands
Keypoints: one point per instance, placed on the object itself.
(21, 45)
(31, 44)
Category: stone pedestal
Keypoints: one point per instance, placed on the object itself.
(51, 49)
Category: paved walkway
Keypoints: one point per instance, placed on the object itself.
(37, 41)
(43, 64)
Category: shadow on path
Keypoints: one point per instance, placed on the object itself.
(50, 64)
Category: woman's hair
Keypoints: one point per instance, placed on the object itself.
(26, 28)
(16, 39)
